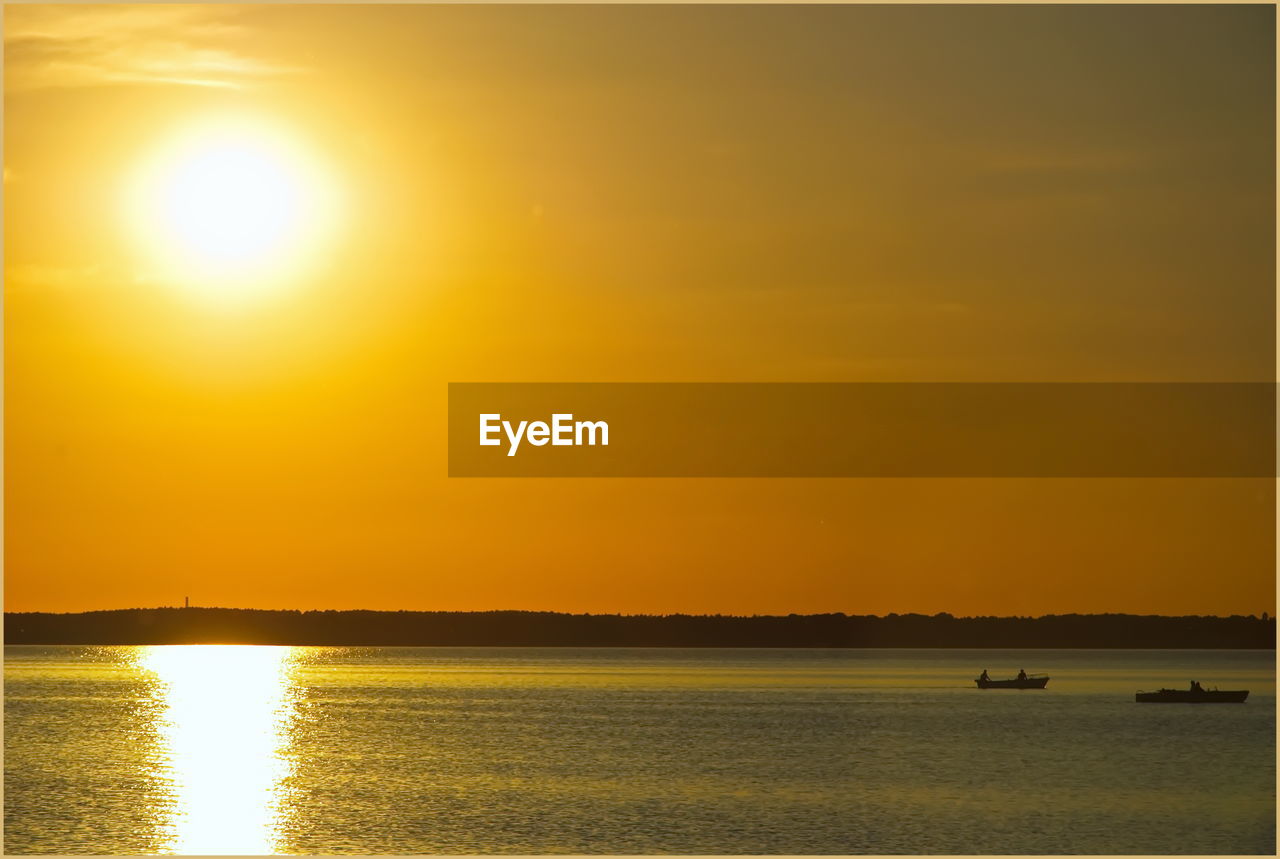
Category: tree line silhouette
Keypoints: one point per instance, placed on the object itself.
(552, 629)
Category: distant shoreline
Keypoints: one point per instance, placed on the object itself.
(552, 629)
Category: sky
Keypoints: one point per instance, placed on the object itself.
(243, 401)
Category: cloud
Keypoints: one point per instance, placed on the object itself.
(33, 276)
(83, 46)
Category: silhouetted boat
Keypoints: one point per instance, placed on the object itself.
(1195, 695)
(1031, 681)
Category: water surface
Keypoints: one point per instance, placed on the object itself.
(250, 750)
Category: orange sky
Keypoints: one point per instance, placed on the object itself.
(623, 194)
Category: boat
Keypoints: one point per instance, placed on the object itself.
(1026, 681)
(1197, 694)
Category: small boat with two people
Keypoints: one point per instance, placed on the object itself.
(1022, 681)
(1197, 694)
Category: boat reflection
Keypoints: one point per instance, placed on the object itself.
(223, 724)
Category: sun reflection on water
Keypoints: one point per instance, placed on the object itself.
(224, 730)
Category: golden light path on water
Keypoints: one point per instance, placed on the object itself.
(223, 727)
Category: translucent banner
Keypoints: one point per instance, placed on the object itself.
(862, 430)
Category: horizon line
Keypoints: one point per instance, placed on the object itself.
(1265, 615)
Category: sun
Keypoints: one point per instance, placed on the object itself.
(231, 209)
(231, 202)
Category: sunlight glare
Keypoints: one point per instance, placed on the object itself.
(224, 728)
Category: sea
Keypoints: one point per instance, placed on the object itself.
(351, 750)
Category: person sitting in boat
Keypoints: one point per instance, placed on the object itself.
(1022, 674)
(1196, 687)
(984, 677)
